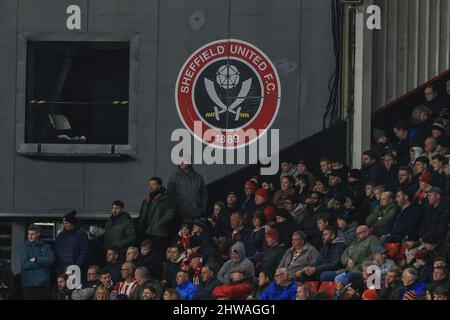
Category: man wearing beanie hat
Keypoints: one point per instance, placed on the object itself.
(434, 227)
(381, 144)
(370, 294)
(248, 203)
(71, 245)
(425, 181)
(262, 202)
(285, 225)
(273, 253)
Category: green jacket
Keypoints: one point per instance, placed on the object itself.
(136, 294)
(119, 232)
(380, 218)
(359, 251)
(154, 217)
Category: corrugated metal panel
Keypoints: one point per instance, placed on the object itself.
(412, 47)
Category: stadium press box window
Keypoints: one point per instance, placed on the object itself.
(76, 98)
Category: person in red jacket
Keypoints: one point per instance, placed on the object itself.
(238, 289)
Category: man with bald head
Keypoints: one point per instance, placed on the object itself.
(283, 288)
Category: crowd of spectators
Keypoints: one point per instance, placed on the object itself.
(378, 232)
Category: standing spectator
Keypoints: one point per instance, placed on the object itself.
(432, 101)
(155, 215)
(405, 221)
(413, 288)
(370, 169)
(393, 286)
(71, 245)
(287, 189)
(187, 192)
(304, 172)
(382, 215)
(329, 257)
(434, 228)
(113, 264)
(263, 204)
(119, 228)
(299, 256)
(288, 170)
(208, 283)
(283, 288)
(172, 265)
(238, 289)
(401, 131)
(124, 288)
(186, 289)
(61, 292)
(248, 202)
(302, 185)
(36, 258)
(382, 144)
(149, 259)
(272, 254)
(220, 219)
(237, 261)
(143, 280)
(263, 282)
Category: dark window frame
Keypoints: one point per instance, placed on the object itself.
(72, 150)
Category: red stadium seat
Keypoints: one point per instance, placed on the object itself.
(392, 249)
(328, 287)
(314, 285)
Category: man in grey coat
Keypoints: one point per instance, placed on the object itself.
(237, 261)
(300, 256)
(187, 192)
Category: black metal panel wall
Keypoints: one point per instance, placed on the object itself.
(294, 34)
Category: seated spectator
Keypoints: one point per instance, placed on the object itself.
(381, 261)
(119, 228)
(405, 221)
(272, 254)
(421, 165)
(143, 280)
(102, 293)
(202, 242)
(287, 189)
(219, 219)
(440, 279)
(430, 148)
(321, 187)
(299, 256)
(295, 208)
(425, 181)
(171, 294)
(323, 220)
(303, 292)
(336, 184)
(107, 282)
(285, 225)
(124, 288)
(208, 283)
(439, 262)
(288, 170)
(413, 288)
(248, 202)
(184, 235)
(186, 289)
(264, 279)
(313, 208)
(237, 261)
(370, 168)
(303, 171)
(346, 228)
(355, 187)
(149, 259)
(87, 290)
(438, 133)
(368, 204)
(132, 254)
(172, 265)
(61, 292)
(193, 265)
(440, 293)
(424, 265)
(439, 178)
(283, 288)
(329, 257)
(353, 291)
(405, 179)
(326, 166)
(414, 153)
(340, 281)
(382, 215)
(393, 286)
(113, 264)
(389, 171)
(149, 293)
(238, 289)
(302, 185)
(434, 227)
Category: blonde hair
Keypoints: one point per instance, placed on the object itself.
(418, 110)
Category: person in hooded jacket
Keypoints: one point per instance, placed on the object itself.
(155, 215)
(237, 261)
(71, 245)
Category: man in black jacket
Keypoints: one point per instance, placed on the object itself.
(433, 232)
(149, 259)
(393, 285)
(155, 215)
(405, 179)
(329, 256)
(209, 282)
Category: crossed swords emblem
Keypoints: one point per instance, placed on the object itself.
(245, 88)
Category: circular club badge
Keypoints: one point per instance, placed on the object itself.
(228, 93)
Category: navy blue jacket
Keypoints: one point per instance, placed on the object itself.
(404, 222)
(71, 248)
(330, 257)
(255, 242)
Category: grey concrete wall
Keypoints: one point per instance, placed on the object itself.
(294, 34)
